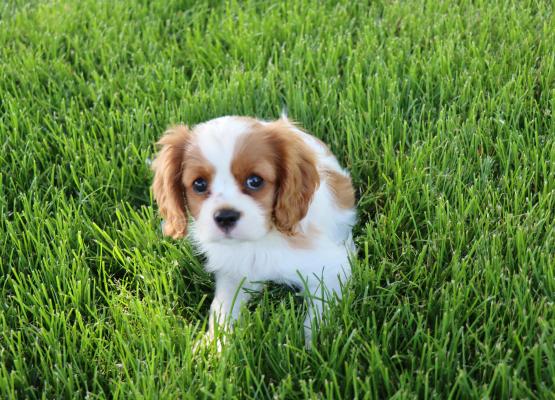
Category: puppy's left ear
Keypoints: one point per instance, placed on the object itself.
(167, 186)
(298, 176)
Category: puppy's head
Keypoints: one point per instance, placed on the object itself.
(237, 177)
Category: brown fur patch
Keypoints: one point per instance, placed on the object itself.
(166, 187)
(341, 188)
(296, 174)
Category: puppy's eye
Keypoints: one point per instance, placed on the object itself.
(200, 185)
(254, 182)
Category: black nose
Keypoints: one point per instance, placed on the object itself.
(226, 218)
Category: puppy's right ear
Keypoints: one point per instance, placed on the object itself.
(167, 186)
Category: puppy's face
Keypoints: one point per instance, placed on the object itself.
(229, 178)
(238, 178)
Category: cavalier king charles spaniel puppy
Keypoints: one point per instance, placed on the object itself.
(264, 201)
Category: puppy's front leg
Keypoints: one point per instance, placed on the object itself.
(231, 293)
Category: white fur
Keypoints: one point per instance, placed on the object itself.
(253, 252)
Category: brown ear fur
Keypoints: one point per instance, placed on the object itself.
(168, 190)
(298, 177)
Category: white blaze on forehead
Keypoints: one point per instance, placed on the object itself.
(216, 139)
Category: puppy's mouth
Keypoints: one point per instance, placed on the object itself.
(223, 236)
(230, 237)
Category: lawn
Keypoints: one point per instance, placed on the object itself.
(444, 113)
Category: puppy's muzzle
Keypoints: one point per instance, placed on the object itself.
(226, 218)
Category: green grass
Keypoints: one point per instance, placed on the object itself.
(443, 111)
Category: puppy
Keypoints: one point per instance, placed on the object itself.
(264, 201)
